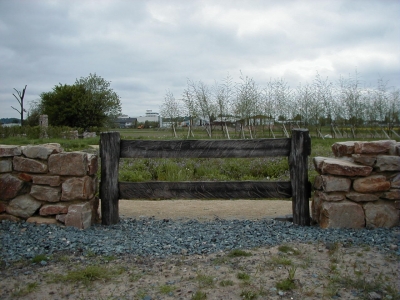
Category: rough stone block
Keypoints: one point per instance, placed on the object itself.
(46, 180)
(54, 209)
(23, 164)
(61, 218)
(335, 184)
(9, 150)
(343, 148)
(381, 215)
(344, 214)
(397, 204)
(395, 181)
(79, 215)
(5, 165)
(68, 163)
(41, 151)
(391, 195)
(6, 217)
(3, 206)
(375, 183)
(23, 206)
(365, 160)
(25, 177)
(46, 193)
(387, 163)
(92, 164)
(375, 147)
(395, 149)
(340, 167)
(359, 197)
(332, 197)
(42, 220)
(11, 186)
(78, 188)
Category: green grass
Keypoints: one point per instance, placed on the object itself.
(243, 276)
(205, 281)
(239, 253)
(23, 291)
(166, 289)
(40, 257)
(87, 275)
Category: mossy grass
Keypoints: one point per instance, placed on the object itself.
(238, 253)
(27, 289)
(205, 281)
(88, 274)
(199, 295)
(166, 289)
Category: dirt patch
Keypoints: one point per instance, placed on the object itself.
(300, 271)
(204, 210)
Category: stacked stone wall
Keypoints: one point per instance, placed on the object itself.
(360, 187)
(43, 184)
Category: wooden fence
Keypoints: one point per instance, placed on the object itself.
(297, 148)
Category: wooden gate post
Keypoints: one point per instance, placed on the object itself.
(298, 164)
(109, 191)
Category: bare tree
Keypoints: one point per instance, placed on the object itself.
(223, 94)
(21, 96)
(171, 110)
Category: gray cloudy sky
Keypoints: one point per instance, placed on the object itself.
(147, 47)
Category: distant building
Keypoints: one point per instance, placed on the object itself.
(150, 117)
(123, 121)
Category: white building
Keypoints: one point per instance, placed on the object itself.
(151, 117)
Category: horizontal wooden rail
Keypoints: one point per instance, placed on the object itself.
(205, 148)
(205, 190)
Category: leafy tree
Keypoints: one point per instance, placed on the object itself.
(90, 102)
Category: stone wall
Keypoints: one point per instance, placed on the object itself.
(43, 184)
(360, 187)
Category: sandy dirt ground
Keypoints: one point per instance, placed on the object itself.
(204, 210)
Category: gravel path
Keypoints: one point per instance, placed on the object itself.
(161, 238)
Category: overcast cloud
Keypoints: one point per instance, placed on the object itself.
(147, 47)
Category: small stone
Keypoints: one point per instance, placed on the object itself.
(374, 296)
(393, 247)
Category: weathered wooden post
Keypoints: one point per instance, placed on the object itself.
(301, 188)
(109, 192)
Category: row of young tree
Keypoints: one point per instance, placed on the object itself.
(319, 103)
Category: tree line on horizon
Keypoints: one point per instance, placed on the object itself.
(318, 103)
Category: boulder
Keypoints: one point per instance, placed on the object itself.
(344, 214)
(9, 150)
(340, 167)
(79, 215)
(54, 209)
(23, 206)
(381, 215)
(343, 148)
(375, 147)
(5, 165)
(41, 151)
(359, 197)
(375, 183)
(28, 165)
(387, 163)
(46, 180)
(10, 186)
(332, 183)
(46, 193)
(78, 188)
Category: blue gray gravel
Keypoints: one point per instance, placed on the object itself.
(162, 238)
